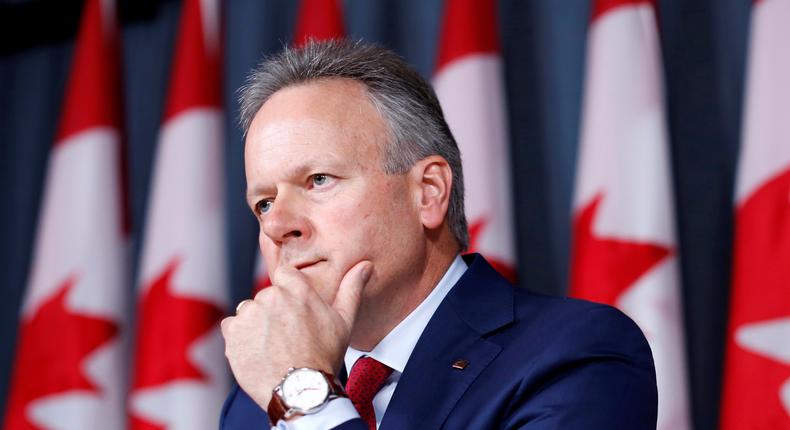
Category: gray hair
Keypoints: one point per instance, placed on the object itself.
(406, 102)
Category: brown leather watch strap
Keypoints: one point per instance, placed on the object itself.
(277, 408)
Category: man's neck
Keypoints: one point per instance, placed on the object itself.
(376, 320)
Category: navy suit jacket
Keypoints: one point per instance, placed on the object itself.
(535, 362)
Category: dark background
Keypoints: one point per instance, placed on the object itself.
(704, 47)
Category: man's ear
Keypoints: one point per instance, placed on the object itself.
(432, 180)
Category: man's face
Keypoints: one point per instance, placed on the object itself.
(316, 184)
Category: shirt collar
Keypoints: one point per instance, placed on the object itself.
(394, 350)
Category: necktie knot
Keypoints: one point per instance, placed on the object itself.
(365, 380)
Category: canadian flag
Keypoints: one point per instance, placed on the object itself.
(318, 20)
(70, 356)
(624, 241)
(757, 363)
(468, 82)
(180, 376)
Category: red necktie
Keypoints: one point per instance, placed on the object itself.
(365, 380)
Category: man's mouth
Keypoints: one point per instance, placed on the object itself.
(305, 265)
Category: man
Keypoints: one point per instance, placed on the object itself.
(356, 181)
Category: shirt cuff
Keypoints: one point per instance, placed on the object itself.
(336, 412)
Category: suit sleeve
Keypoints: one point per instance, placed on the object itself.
(240, 412)
(598, 374)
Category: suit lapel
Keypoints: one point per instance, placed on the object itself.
(430, 385)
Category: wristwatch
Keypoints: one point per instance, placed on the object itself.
(303, 391)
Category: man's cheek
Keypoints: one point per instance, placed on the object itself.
(352, 244)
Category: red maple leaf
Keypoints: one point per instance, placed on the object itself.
(167, 327)
(760, 293)
(53, 344)
(476, 228)
(604, 267)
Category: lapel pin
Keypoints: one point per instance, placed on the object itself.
(460, 364)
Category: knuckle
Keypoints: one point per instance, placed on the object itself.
(281, 274)
(264, 293)
(225, 325)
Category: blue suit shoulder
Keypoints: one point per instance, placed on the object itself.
(581, 365)
(560, 362)
(576, 324)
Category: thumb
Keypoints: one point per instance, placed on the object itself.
(349, 293)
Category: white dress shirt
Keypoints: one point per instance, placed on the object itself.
(394, 351)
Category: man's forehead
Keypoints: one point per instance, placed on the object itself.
(327, 108)
(307, 119)
(297, 140)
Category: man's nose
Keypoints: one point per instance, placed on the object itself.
(285, 221)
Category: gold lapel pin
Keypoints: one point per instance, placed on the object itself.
(460, 364)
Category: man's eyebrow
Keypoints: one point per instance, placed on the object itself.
(256, 191)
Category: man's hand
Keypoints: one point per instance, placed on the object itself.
(290, 325)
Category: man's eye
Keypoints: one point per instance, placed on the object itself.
(320, 179)
(263, 206)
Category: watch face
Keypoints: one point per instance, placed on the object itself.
(305, 389)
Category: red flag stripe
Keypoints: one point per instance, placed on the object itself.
(458, 40)
(195, 76)
(602, 7)
(320, 20)
(93, 88)
(93, 92)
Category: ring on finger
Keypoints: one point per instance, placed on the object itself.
(241, 305)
